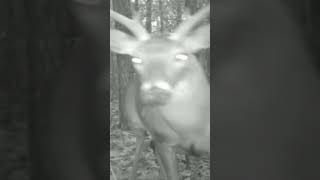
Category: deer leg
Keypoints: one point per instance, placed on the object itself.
(167, 161)
(161, 172)
(140, 136)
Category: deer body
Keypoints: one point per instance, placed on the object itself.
(184, 119)
(186, 114)
(171, 94)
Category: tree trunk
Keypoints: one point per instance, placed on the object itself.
(161, 16)
(179, 13)
(124, 68)
(149, 16)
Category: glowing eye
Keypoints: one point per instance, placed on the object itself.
(136, 60)
(182, 57)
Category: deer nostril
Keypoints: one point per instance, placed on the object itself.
(161, 85)
(146, 87)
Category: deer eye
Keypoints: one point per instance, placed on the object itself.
(137, 60)
(182, 57)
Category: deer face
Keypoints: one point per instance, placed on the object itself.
(160, 64)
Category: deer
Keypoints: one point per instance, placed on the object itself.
(170, 97)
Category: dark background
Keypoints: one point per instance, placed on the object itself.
(35, 36)
(37, 40)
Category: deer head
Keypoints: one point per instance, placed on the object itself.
(162, 61)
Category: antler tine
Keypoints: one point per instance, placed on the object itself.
(132, 25)
(188, 24)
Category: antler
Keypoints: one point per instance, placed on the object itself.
(134, 26)
(188, 24)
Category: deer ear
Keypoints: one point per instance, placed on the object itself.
(122, 43)
(198, 39)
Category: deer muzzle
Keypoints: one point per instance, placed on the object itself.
(156, 93)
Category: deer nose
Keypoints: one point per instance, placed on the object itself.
(155, 93)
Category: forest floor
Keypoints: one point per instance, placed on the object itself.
(122, 150)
